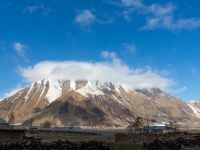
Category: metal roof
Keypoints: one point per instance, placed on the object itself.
(156, 127)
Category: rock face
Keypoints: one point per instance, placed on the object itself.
(84, 103)
(195, 106)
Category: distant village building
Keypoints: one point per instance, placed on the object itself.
(142, 125)
(156, 128)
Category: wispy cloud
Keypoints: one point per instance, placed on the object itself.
(31, 9)
(133, 3)
(160, 10)
(107, 54)
(153, 9)
(105, 21)
(128, 14)
(130, 48)
(179, 91)
(85, 18)
(114, 71)
(158, 15)
(194, 70)
(170, 23)
(44, 10)
(20, 49)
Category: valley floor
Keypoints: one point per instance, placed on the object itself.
(45, 139)
(34, 139)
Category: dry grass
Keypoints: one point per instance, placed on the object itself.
(74, 137)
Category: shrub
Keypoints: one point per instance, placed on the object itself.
(46, 124)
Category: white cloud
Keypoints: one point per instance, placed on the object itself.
(85, 18)
(194, 70)
(20, 49)
(127, 14)
(131, 48)
(186, 23)
(179, 91)
(168, 22)
(31, 9)
(37, 8)
(114, 71)
(142, 8)
(161, 10)
(158, 16)
(107, 54)
(133, 3)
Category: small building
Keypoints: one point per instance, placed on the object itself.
(156, 128)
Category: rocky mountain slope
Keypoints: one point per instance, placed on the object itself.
(195, 106)
(98, 104)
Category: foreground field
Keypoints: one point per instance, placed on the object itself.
(50, 140)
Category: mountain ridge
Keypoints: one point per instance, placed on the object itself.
(86, 103)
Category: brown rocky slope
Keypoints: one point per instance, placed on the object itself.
(84, 103)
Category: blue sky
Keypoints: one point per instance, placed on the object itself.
(157, 40)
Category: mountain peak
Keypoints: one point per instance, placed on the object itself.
(53, 89)
(83, 102)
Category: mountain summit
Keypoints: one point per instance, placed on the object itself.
(85, 103)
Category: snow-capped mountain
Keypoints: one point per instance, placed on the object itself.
(88, 103)
(195, 106)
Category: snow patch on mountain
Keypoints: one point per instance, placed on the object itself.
(54, 90)
(116, 99)
(29, 91)
(19, 94)
(90, 89)
(73, 85)
(195, 108)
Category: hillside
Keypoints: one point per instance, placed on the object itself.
(84, 103)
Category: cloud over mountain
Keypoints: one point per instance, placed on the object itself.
(114, 71)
